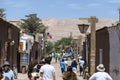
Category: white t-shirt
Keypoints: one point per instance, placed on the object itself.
(100, 76)
(81, 63)
(66, 65)
(9, 75)
(48, 71)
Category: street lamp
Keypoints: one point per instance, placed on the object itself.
(83, 28)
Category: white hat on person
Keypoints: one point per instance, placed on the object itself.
(6, 63)
(100, 67)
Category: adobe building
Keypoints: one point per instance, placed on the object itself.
(107, 49)
(25, 46)
(9, 42)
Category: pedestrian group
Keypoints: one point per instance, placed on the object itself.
(45, 71)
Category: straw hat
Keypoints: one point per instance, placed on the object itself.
(100, 67)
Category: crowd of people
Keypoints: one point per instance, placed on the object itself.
(68, 71)
(45, 71)
(71, 72)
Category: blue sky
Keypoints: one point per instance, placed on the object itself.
(17, 9)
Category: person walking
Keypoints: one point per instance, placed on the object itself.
(47, 71)
(56, 56)
(69, 74)
(7, 72)
(100, 75)
(39, 65)
(62, 65)
(74, 65)
(82, 66)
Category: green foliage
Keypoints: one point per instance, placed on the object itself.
(32, 24)
(63, 42)
(49, 47)
(2, 13)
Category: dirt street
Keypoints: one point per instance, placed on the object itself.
(58, 72)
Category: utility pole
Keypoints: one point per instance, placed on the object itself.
(93, 20)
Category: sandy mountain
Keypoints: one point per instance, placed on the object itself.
(59, 28)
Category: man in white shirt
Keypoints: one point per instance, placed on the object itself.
(100, 75)
(47, 71)
(81, 63)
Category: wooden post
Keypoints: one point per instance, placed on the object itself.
(80, 38)
(93, 20)
(76, 39)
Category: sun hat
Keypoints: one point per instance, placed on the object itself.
(100, 67)
(6, 63)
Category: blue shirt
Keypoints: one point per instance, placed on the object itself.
(62, 64)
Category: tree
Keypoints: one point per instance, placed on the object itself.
(32, 24)
(2, 13)
(63, 42)
(49, 47)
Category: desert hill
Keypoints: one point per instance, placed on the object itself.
(59, 28)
